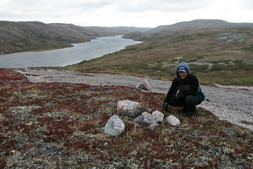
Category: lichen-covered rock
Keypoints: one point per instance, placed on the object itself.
(173, 120)
(158, 116)
(114, 126)
(145, 119)
(129, 108)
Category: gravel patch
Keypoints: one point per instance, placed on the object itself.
(230, 103)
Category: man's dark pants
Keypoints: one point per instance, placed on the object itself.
(189, 103)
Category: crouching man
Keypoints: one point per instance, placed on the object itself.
(185, 92)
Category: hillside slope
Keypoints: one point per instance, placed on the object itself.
(26, 36)
(61, 125)
(181, 28)
(217, 55)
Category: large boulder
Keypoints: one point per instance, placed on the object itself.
(114, 126)
(129, 108)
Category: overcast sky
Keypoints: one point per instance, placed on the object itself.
(138, 13)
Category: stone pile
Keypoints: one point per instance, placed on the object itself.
(115, 126)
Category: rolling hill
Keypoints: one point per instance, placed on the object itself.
(217, 51)
(27, 36)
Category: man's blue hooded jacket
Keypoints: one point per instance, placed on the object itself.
(184, 87)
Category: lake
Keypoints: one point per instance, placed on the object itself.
(66, 56)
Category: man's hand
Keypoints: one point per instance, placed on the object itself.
(165, 106)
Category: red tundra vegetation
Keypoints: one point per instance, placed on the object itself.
(60, 125)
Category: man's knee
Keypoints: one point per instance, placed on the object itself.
(192, 100)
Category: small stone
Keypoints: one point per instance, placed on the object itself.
(158, 116)
(1, 117)
(149, 110)
(119, 164)
(145, 119)
(173, 120)
(153, 126)
(105, 144)
(144, 85)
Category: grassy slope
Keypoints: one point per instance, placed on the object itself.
(216, 56)
(60, 125)
(32, 44)
(27, 36)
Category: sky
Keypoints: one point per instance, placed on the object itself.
(137, 13)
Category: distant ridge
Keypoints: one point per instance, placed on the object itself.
(200, 24)
(217, 52)
(181, 28)
(26, 36)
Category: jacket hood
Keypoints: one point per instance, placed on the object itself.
(185, 65)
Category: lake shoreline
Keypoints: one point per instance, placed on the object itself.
(79, 52)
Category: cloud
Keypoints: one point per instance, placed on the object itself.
(148, 13)
(159, 5)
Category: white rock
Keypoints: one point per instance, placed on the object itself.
(158, 116)
(114, 126)
(144, 85)
(129, 108)
(173, 120)
(148, 118)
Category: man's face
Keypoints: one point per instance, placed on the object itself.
(182, 75)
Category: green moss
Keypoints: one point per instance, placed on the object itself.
(247, 122)
(250, 48)
(198, 68)
(239, 66)
(191, 58)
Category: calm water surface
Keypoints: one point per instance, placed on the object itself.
(67, 56)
